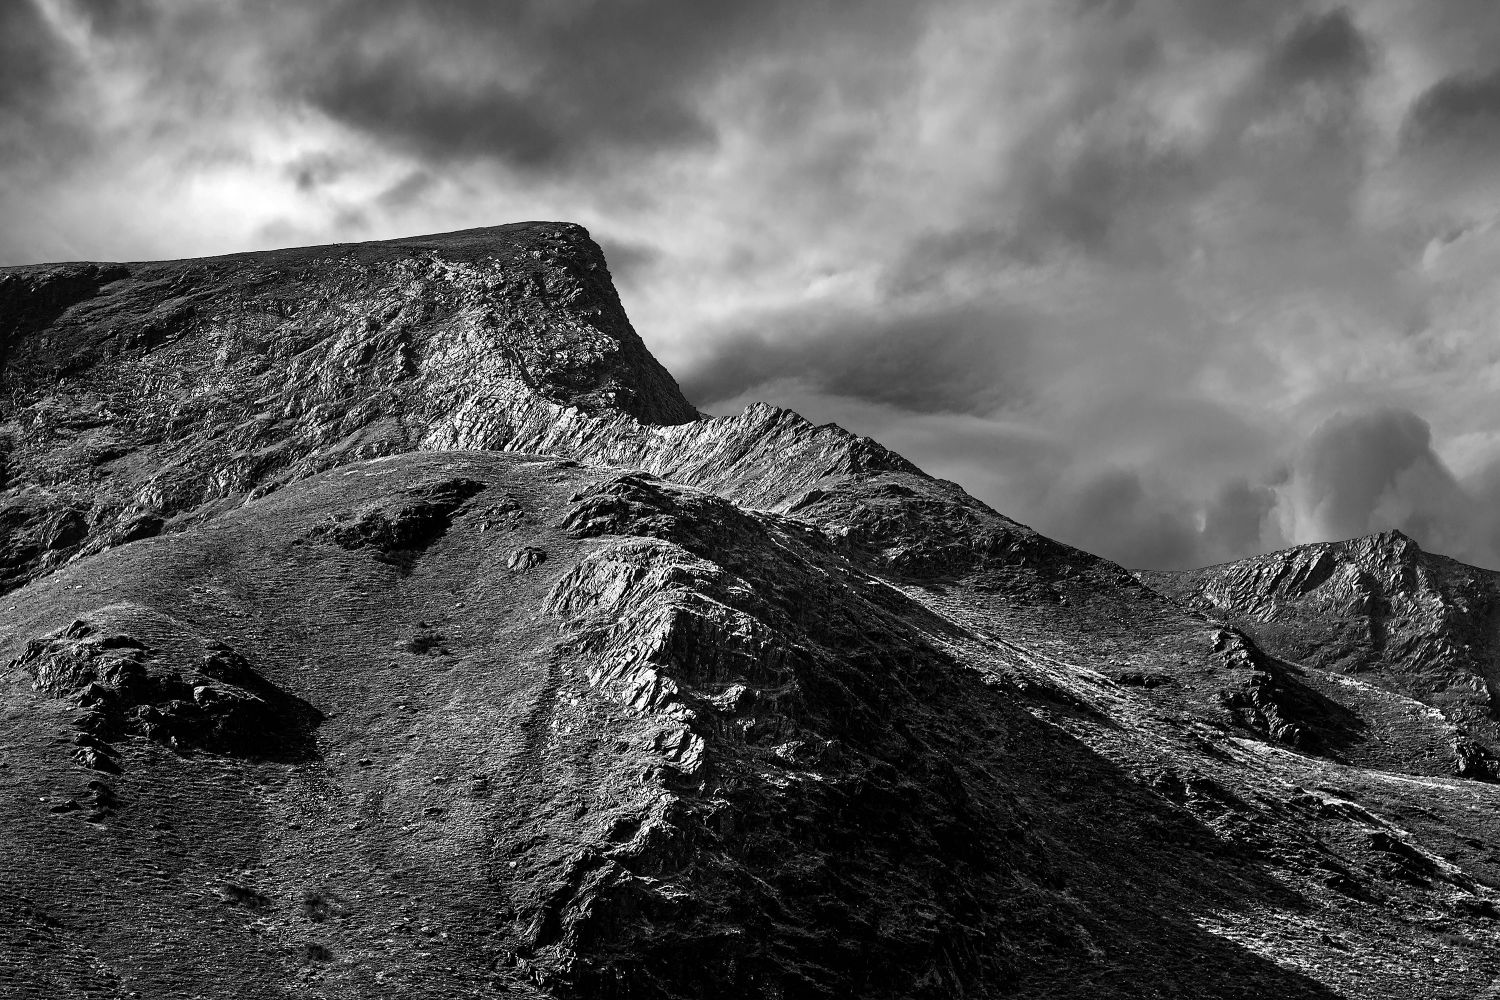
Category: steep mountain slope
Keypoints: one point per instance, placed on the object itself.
(382, 622)
(138, 392)
(1378, 609)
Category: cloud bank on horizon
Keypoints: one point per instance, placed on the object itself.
(1175, 282)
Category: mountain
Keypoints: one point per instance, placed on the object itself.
(381, 621)
(1377, 609)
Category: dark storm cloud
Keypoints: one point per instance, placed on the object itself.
(542, 84)
(316, 170)
(115, 17)
(1320, 47)
(627, 260)
(1105, 174)
(1461, 109)
(28, 57)
(953, 360)
(1357, 472)
(1372, 470)
(1118, 511)
(1112, 511)
(394, 99)
(1236, 523)
(1484, 486)
(1227, 23)
(33, 82)
(1082, 204)
(407, 191)
(1352, 463)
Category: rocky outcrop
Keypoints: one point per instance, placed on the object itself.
(402, 529)
(1265, 696)
(122, 688)
(1377, 608)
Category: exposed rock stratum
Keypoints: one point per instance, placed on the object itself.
(381, 621)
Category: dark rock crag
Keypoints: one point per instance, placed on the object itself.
(220, 704)
(382, 622)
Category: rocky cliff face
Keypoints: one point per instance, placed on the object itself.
(1378, 609)
(136, 394)
(381, 622)
(135, 397)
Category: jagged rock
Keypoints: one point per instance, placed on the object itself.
(780, 716)
(95, 759)
(65, 530)
(243, 895)
(1470, 760)
(102, 795)
(1265, 695)
(404, 529)
(300, 361)
(125, 689)
(1141, 678)
(526, 557)
(1378, 608)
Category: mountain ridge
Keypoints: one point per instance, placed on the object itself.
(472, 390)
(1377, 606)
(382, 622)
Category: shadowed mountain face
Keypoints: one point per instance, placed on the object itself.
(381, 622)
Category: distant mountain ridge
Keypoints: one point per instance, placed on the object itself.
(1377, 608)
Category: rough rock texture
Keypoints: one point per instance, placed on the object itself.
(123, 689)
(381, 622)
(135, 394)
(1378, 609)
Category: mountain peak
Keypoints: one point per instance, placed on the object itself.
(1391, 541)
(1376, 606)
(527, 307)
(136, 393)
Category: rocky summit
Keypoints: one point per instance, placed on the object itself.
(381, 621)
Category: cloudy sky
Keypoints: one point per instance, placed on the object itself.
(1173, 280)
